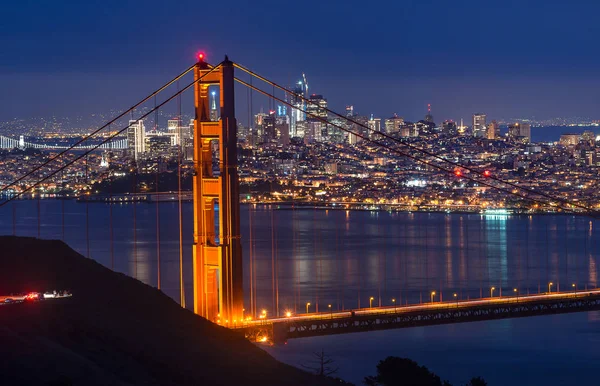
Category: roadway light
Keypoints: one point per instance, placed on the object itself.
(574, 285)
(329, 306)
(288, 314)
(516, 291)
(492, 292)
(550, 287)
(456, 297)
(371, 302)
(432, 295)
(307, 305)
(394, 301)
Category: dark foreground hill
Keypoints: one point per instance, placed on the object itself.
(114, 330)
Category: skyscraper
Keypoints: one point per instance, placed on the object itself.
(374, 125)
(297, 114)
(392, 124)
(316, 108)
(479, 129)
(493, 130)
(214, 114)
(136, 138)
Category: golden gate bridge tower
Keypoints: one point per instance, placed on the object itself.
(217, 251)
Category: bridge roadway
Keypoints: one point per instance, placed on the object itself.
(279, 330)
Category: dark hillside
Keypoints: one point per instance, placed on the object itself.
(114, 330)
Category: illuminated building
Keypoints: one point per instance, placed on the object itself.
(493, 130)
(136, 138)
(297, 115)
(214, 114)
(520, 132)
(479, 128)
(374, 124)
(316, 108)
(392, 125)
(569, 139)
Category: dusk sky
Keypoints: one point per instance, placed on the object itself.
(510, 59)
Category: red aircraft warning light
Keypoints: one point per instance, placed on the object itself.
(200, 56)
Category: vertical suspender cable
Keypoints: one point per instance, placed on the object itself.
(179, 202)
(157, 201)
(39, 215)
(14, 210)
(110, 221)
(273, 309)
(250, 241)
(87, 209)
(62, 205)
(110, 211)
(157, 226)
(251, 264)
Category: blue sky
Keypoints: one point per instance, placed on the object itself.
(506, 58)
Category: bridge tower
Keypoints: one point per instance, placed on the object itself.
(217, 251)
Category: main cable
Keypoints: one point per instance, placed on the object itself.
(413, 147)
(87, 137)
(14, 197)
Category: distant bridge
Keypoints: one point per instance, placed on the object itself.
(11, 143)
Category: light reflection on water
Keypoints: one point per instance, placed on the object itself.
(345, 257)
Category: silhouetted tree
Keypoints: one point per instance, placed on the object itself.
(321, 365)
(477, 381)
(394, 371)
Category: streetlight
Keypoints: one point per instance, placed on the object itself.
(330, 311)
(574, 286)
(288, 314)
(307, 305)
(394, 301)
(371, 301)
(492, 292)
(263, 314)
(516, 291)
(456, 298)
(550, 287)
(432, 295)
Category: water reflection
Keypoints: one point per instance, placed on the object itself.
(340, 257)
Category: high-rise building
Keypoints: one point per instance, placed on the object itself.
(214, 113)
(374, 125)
(479, 129)
(297, 114)
(392, 124)
(316, 108)
(493, 130)
(520, 132)
(136, 138)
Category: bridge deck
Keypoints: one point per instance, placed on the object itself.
(279, 330)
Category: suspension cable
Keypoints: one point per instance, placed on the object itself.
(87, 137)
(95, 147)
(591, 212)
(416, 148)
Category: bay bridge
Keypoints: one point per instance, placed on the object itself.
(218, 277)
(12, 143)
